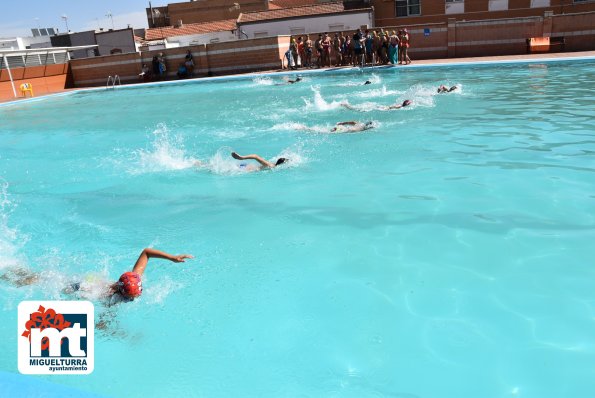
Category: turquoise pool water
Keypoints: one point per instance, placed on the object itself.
(448, 252)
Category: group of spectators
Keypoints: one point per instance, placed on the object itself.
(360, 49)
(158, 68)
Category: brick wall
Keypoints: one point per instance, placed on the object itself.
(433, 11)
(210, 59)
(578, 30)
(45, 80)
(194, 12)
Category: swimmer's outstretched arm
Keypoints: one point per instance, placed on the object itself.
(260, 160)
(347, 105)
(148, 253)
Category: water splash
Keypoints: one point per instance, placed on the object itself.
(263, 81)
(166, 153)
(378, 92)
(319, 103)
(290, 126)
(11, 240)
(373, 79)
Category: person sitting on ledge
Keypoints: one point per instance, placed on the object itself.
(182, 71)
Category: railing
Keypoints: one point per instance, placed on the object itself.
(113, 80)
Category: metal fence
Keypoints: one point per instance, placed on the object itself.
(35, 59)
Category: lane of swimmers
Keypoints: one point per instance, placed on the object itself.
(129, 285)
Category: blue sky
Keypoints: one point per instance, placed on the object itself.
(18, 17)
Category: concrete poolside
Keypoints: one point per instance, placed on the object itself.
(427, 62)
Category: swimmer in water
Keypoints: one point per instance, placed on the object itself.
(405, 103)
(367, 82)
(444, 89)
(264, 164)
(352, 127)
(298, 79)
(128, 287)
(396, 106)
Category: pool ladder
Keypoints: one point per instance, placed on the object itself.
(113, 80)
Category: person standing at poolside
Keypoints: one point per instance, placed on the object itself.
(326, 48)
(369, 45)
(404, 47)
(189, 63)
(155, 65)
(162, 66)
(318, 48)
(337, 49)
(308, 48)
(347, 50)
(385, 47)
(393, 48)
(301, 52)
(358, 48)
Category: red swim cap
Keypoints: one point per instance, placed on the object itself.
(130, 284)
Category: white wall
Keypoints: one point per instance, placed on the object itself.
(204, 38)
(323, 23)
(21, 43)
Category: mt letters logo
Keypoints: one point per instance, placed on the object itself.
(56, 337)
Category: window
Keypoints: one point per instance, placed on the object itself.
(540, 3)
(404, 8)
(498, 5)
(297, 31)
(454, 7)
(336, 27)
(260, 34)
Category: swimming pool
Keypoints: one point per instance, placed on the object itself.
(445, 253)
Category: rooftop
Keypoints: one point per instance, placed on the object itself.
(277, 4)
(293, 12)
(190, 29)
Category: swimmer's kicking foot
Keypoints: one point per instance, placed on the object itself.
(265, 164)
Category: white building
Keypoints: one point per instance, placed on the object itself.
(325, 17)
(40, 39)
(192, 34)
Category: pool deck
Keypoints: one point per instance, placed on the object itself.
(426, 62)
